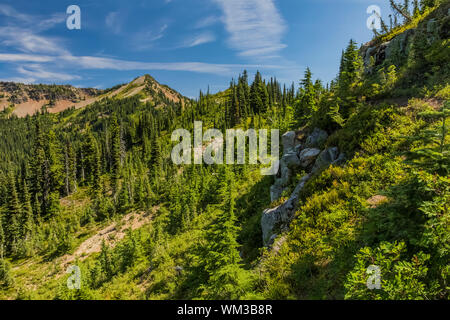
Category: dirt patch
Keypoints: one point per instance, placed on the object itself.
(134, 91)
(376, 201)
(111, 235)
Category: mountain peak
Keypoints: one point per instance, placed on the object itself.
(27, 99)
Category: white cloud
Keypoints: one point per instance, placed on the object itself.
(113, 22)
(198, 40)
(206, 22)
(255, 27)
(12, 13)
(54, 19)
(19, 80)
(37, 71)
(14, 57)
(36, 22)
(29, 42)
(145, 40)
(89, 62)
(35, 56)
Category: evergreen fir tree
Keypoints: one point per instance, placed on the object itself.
(116, 151)
(307, 104)
(2, 239)
(27, 222)
(13, 218)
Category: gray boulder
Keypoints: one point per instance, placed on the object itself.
(275, 192)
(307, 156)
(290, 160)
(283, 180)
(316, 139)
(288, 141)
(281, 215)
(325, 158)
(340, 160)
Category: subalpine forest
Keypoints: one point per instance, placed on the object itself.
(95, 187)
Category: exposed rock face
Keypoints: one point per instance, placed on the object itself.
(296, 155)
(316, 139)
(281, 215)
(288, 162)
(380, 52)
(288, 141)
(307, 156)
(433, 28)
(325, 158)
(291, 160)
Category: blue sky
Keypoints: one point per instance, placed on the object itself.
(186, 44)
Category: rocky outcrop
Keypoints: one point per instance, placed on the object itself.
(399, 45)
(296, 155)
(289, 141)
(281, 215)
(307, 156)
(327, 157)
(433, 28)
(316, 139)
(289, 161)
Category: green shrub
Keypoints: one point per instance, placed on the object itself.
(400, 278)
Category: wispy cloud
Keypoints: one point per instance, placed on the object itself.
(112, 21)
(29, 42)
(9, 11)
(38, 23)
(19, 79)
(89, 62)
(198, 40)
(255, 27)
(145, 40)
(207, 22)
(15, 57)
(25, 48)
(37, 71)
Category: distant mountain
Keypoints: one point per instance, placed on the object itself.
(26, 99)
(149, 90)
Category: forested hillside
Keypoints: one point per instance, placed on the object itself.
(95, 186)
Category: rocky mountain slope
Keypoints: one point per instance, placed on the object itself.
(22, 99)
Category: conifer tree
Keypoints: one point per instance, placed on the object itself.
(124, 198)
(349, 80)
(53, 207)
(435, 155)
(56, 171)
(307, 104)
(155, 160)
(106, 261)
(13, 218)
(28, 223)
(70, 180)
(259, 98)
(116, 151)
(222, 233)
(403, 10)
(235, 107)
(2, 239)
